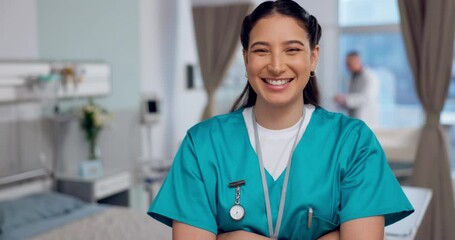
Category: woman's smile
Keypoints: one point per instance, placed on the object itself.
(277, 81)
(279, 60)
(277, 84)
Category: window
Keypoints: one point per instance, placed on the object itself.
(385, 53)
(367, 12)
(452, 85)
(372, 28)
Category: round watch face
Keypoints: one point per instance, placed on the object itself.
(237, 212)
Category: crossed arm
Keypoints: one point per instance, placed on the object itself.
(362, 228)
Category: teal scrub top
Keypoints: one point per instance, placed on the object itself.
(338, 169)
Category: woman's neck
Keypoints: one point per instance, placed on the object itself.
(275, 118)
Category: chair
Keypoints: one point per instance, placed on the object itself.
(406, 229)
(400, 147)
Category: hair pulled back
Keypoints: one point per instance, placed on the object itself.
(287, 8)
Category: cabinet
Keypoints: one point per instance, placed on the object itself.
(111, 189)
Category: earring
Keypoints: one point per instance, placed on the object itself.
(246, 75)
(312, 74)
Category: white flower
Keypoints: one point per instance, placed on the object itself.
(93, 117)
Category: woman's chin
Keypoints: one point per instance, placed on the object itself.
(278, 103)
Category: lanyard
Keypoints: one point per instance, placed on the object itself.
(274, 234)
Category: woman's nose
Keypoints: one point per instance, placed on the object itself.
(275, 65)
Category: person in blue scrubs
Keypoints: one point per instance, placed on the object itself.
(279, 166)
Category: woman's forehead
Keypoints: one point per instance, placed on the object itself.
(278, 27)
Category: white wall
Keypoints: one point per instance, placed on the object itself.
(18, 30)
(32, 30)
(168, 45)
(326, 11)
(220, 2)
(152, 22)
(189, 104)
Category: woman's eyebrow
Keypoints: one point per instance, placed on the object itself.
(284, 43)
(259, 43)
(294, 41)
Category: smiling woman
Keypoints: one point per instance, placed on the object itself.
(278, 63)
(233, 178)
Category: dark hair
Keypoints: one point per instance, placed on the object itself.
(288, 8)
(353, 54)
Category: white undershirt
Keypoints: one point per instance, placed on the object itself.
(276, 145)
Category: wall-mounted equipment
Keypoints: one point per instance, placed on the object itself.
(150, 109)
(25, 81)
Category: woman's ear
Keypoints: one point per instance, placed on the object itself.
(245, 56)
(314, 57)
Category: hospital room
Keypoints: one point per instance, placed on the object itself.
(140, 119)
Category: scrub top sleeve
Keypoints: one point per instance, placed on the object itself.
(183, 196)
(368, 186)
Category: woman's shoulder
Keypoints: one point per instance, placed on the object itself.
(222, 122)
(325, 115)
(338, 121)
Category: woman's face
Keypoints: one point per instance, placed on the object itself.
(279, 60)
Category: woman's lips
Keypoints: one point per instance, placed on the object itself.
(277, 81)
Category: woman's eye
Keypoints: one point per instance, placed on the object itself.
(293, 50)
(260, 50)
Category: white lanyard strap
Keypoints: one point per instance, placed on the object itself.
(274, 234)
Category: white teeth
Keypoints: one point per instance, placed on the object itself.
(277, 82)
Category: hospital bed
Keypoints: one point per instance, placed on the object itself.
(29, 206)
(30, 210)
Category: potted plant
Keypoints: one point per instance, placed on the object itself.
(92, 119)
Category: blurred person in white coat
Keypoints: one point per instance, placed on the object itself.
(362, 99)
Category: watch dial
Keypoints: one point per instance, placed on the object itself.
(237, 212)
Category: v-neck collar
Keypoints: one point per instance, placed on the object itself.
(309, 127)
